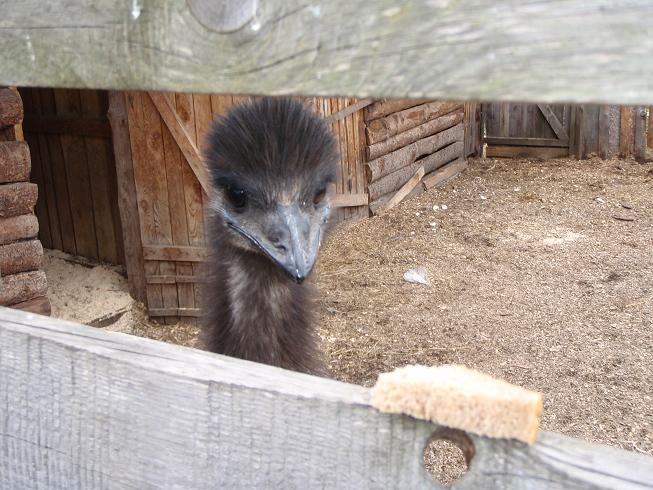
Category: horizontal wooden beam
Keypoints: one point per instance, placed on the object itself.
(349, 200)
(174, 253)
(467, 49)
(97, 127)
(510, 141)
(183, 312)
(97, 409)
(179, 279)
(526, 152)
(348, 111)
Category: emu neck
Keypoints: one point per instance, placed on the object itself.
(261, 315)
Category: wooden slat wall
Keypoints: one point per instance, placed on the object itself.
(171, 202)
(70, 140)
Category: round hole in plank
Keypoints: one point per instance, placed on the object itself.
(447, 455)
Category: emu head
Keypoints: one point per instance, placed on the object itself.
(271, 162)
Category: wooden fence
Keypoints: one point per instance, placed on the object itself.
(82, 408)
(85, 408)
(560, 130)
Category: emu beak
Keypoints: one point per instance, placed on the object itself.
(296, 242)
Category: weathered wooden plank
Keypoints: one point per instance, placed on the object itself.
(14, 161)
(40, 306)
(20, 256)
(11, 107)
(526, 152)
(627, 132)
(640, 134)
(401, 194)
(178, 279)
(349, 200)
(383, 107)
(18, 228)
(430, 162)
(185, 141)
(649, 138)
(348, 111)
(175, 312)
(174, 253)
(412, 135)
(444, 174)
(511, 140)
(23, 286)
(51, 149)
(100, 162)
(386, 127)
(127, 196)
(289, 48)
(553, 121)
(77, 173)
(17, 199)
(95, 409)
(402, 157)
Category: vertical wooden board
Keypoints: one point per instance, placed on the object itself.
(573, 131)
(626, 132)
(37, 171)
(59, 179)
(504, 119)
(640, 133)
(604, 131)
(175, 163)
(514, 119)
(100, 165)
(341, 186)
(359, 124)
(155, 153)
(67, 103)
(649, 128)
(203, 117)
(528, 112)
(126, 194)
(590, 125)
(146, 191)
(613, 131)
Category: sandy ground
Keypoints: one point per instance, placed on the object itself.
(541, 273)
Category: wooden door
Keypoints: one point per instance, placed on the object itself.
(172, 185)
(536, 130)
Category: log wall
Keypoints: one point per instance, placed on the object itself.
(22, 284)
(407, 139)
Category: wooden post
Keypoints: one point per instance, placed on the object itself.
(626, 132)
(640, 134)
(131, 230)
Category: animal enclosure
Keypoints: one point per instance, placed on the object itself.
(92, 409)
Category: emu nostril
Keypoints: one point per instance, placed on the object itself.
(280, 246)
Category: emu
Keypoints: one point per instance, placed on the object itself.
(271, 162)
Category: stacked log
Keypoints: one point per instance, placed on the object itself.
(406, 139)
(22, 284)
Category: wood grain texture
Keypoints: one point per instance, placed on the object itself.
(17, 199)
(407, 137)
(640, 134)
(11, 107)
(40, 306)
(80, 126)
(386, 127)
(127, 197)
(18, 228)
(14, 161)
(444, 174)
(526, 152)
(402, 193)
(402, 157)
(383, 107)
(23, 286)
(424, 48)
(95, 409)
(430, 162)
(20, 256)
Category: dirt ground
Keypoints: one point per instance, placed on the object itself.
(541, 273)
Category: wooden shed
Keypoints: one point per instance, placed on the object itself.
(122, 179)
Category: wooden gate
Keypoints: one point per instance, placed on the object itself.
(160, 159)
(527, 130)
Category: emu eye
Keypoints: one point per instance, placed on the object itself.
(319, 197)
(237, 197)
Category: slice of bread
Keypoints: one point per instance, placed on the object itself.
(460, 398)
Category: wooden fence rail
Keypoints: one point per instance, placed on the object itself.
(551, 50)
(84, 408)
